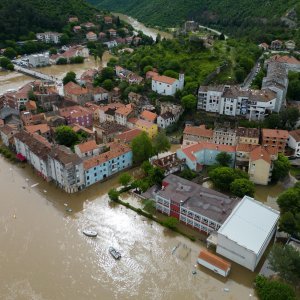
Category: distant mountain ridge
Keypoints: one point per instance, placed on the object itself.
(19, 17)
(234, 16)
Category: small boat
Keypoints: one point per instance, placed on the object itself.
(115, 254)
(90, 233)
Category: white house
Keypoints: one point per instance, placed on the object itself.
(49, 37)
(39, 60)
(247, 232)
(166, 119)
(294, 141)
(66, 169)
(87, 149)
(165, 85)
(34, 149)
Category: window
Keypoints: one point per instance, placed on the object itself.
(95, 174)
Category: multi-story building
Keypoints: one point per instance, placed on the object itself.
(150, 128)
(261, 164)
(77, 94)
(277, 81)
(248, 135)
(195, 134)
(204, 153)
(194, 205)
(66, 169)
(87, 149)
(225, 136)
(38, 60)
(34, 148)
(49, 37)
(107, 112)
(233, 101)
(77, 114)
(123, 114)
(99, 167)
(275, 138)
(294, 141)
(165, 85)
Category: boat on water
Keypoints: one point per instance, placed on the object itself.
(115, 254)
(90, 233)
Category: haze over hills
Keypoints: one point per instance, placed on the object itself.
(255, 18)
(19, 17)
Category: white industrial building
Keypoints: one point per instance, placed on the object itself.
(38, 60)
(246, 233)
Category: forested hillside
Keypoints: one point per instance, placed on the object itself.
(255, 18)
(20, 17)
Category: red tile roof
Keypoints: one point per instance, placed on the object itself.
(125, 110)
(87, 146)
(116, 150)
(190, 150)
(164, 79)
(43, 128)
(127, 136)
(260, 153)
(198, 131)
(74, 111)
(245, 147)
(274, 133)
(148, 116)
(285, 59)
(72, 88)
(214, 260)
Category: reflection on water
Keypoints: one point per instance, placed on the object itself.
(46, 256)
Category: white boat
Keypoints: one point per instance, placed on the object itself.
(90, 233)
(115, 254)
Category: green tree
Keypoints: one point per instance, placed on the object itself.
(10, 53)
(4, 62)
(108, 84)
(188, 174)
(113, 195)
(171, 222)
(189, 102)
(293, 92)
(272, 289)
(156, 176)
(224, 159)
(65, 135)
(222, 177)
(62, 61)
(141, 148)
(285, 260)
(125, 179)
(146, 167)
(272, 121)
(281, 168)
(70, 76)
(171, 73)
(241, 187)
(149, 206)
(161, 142)
(53, 51)
(10, 67)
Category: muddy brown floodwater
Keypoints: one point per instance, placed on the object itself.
(44, 255)
(14, 80)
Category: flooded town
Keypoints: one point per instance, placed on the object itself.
(123, 180)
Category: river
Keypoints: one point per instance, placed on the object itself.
(44, 255)
(138, 26)
(14, 80)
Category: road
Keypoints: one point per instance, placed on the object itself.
(213, 30)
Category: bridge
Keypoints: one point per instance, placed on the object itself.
(41, 76)
(36, 74)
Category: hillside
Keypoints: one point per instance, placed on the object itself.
(20, 17)
(256, 18)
